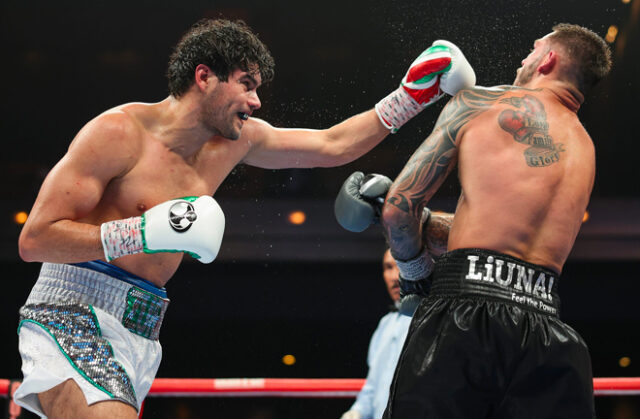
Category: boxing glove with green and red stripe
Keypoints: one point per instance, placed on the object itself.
(440, 69)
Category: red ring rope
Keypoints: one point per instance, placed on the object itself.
(258, 387)
(310, 387)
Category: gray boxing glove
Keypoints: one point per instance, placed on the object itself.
(360, 200)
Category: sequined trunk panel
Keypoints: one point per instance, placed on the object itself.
(77, 333)
(144, 313)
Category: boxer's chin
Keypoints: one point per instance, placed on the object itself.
(233, 136)
(519, 79)
(233, 131)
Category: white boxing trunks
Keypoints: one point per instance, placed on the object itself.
(96, 324)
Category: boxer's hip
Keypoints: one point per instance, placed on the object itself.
(489, 329)
(137, 303)
(95, 324)
(488, 275)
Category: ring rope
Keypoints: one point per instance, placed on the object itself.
(310, 387)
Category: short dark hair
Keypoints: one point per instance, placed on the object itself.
(589, 52)
(223, 46)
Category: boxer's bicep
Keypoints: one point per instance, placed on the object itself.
(70, 191)
(279, 148)
(101, 151)
(437, 156)
(418, 181)
(428, 167)
(423, 174)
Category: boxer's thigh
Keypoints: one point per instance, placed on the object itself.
(447, 368)
(67, 400)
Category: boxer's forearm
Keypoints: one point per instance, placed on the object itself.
(280, 148)
(63, 241)
(353, 138)
(435, 235)
(402, 231)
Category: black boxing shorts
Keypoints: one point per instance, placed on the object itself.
(487, 343)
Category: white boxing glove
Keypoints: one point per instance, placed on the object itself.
(191, 225)
(419, 88)
(441, 68)
(460, 75)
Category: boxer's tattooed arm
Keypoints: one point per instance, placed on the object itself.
(528, 125)
(428, 167)
(435, 235)
(434, 159)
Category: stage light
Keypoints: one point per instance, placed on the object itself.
(288, 360)
(297, 217)
(612, 33)
(20, 217)
(624, 362)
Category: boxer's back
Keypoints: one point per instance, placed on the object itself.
(526, 166)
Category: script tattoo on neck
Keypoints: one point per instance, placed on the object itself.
(433, 160)
(529, 126)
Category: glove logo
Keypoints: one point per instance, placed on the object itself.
(181, 216)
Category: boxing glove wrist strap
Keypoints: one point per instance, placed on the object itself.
(122, 237)
(417, 268)
(396, 109)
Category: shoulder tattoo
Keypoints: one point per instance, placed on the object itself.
(528, 125)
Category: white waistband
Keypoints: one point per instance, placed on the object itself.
(60, 284)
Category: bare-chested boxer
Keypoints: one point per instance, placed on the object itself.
(487, 341)
(134, 192)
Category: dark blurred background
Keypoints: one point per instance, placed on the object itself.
(311, 290)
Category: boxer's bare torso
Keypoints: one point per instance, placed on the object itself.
(119, 166)
(156, 173)
(135, 156)
(526, 166)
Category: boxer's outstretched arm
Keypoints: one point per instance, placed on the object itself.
(440, 68)
(426, 170)
(279, 148)
(101, 151)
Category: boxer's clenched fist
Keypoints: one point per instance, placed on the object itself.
(440, 69)
(360, 200)
(191, 225)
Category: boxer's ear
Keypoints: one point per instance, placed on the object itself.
(204, 76)
(548, 63)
